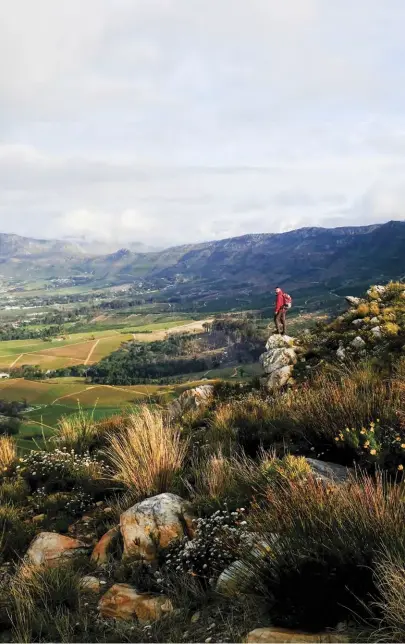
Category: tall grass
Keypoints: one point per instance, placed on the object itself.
(77, 432)
(8, 453)
(148, 454)
(320, 570)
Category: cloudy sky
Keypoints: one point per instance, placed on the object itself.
(169, 121)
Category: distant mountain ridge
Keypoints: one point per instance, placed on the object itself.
(295, 259)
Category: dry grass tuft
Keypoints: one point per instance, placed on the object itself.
(8, 453)
(148, 454)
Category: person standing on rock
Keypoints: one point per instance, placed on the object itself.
(283, 302)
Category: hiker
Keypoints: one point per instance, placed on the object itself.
(283, 302)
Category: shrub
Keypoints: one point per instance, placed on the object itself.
(60, 470)
(363, 309)
(374, 309)
(15, 535)
(390, 328)
(320, 568)
(8, 454)
(148, 454)
(290, 468)
(13, 490)
(217, 542)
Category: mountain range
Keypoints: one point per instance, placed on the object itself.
(333, 257)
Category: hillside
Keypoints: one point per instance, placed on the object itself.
(309, 258)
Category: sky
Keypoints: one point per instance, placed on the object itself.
(175, 121)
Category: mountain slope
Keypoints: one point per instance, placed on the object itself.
(296, 260)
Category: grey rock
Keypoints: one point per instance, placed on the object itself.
(277, 358)
(190, 400)
(377, 333)
(358, 322)
(277, 341)
(353, 301)
(329, 472)
(358, 343)
(279, 378)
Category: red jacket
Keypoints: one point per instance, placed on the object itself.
(279, 301)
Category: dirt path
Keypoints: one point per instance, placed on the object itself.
(16, 360)
(91, 351)
(76, 393)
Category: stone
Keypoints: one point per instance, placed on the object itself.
(375, 321)
(279, 378)
(271, 635)
(91, 584)
(341, 353)
(155, 523)
(102, 550)
(190, 400)
(379, 289)
(353, 301)
(123, 601)
(50, 548)
(38, 518)
(329, 472)
(358, 343)
(277, 341)
(377, 333)
(358, 322)
(277, 358)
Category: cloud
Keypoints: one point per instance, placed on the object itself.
(169, 121)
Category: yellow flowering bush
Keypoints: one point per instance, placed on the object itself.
(375, 444)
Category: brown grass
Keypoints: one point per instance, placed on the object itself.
(148, 453)
(8, 453)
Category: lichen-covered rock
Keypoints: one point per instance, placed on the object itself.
(341, 353)
(124, 602)
(374, 321)
(155, 523)
(329, 472)
(377, 333)
(277, 359)
(277, 341)
(271, 635)
(190, 400)
(378, 289)
(102, 549)
(279, 378)
(50, 548)
(358, 343)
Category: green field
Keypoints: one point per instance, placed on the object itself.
(51, 399)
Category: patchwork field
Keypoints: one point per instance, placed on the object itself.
(84, 348)
(51, 399)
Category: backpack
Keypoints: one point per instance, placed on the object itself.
(287, 300)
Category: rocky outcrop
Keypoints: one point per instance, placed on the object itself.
(50, 549)
(190, 400)
(358, 343)
(155, 523)
(124, 602)
(272, 635)
(278, 361)
(329, 472)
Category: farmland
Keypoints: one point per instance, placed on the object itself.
(83, 348)
(49, 400)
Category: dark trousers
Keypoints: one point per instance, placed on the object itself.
(279, 321)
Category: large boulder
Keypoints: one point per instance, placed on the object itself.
(155, 523)
(190, 400)
(50, 549)
(277, 359)
(124, 602)
(329, 472)
(271, 635)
